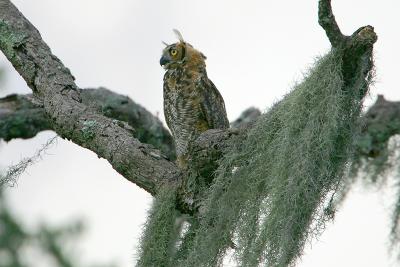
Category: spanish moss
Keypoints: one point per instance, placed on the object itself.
(272, 190)
(160, 232)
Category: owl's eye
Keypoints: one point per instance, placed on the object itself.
(173, 52)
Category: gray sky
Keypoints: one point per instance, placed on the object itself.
(256, 50)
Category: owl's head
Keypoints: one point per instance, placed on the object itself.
(181, 53)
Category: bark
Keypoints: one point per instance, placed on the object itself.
(106, 123)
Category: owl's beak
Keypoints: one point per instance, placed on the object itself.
(164, 60)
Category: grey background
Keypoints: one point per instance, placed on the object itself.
(256, 50)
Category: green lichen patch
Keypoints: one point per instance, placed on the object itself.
(88, 130)
(10, 39)
(11, 42)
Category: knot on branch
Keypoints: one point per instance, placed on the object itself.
(364, 38)
(367, 35)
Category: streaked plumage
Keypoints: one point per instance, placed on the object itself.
(192, 103)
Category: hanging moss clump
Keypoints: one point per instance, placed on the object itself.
(272, 189)
(160, 233)
(375, 170)
(271, 192)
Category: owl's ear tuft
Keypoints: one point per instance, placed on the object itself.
(164, 43)
(178, 35)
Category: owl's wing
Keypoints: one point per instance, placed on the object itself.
(212, 104)
(168, 113)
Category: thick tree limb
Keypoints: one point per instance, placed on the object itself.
(22, 117)
(53, 84)
(148, 128)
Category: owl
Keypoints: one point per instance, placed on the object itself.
(192, 103)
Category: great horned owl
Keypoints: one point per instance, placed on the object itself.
(192, 103)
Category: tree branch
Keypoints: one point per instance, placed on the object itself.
(327, 21)
(381, 122)
(23, 117)
(365, 36)
(20, 118)
(53, 84)
(148, 128)
(357, 48)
